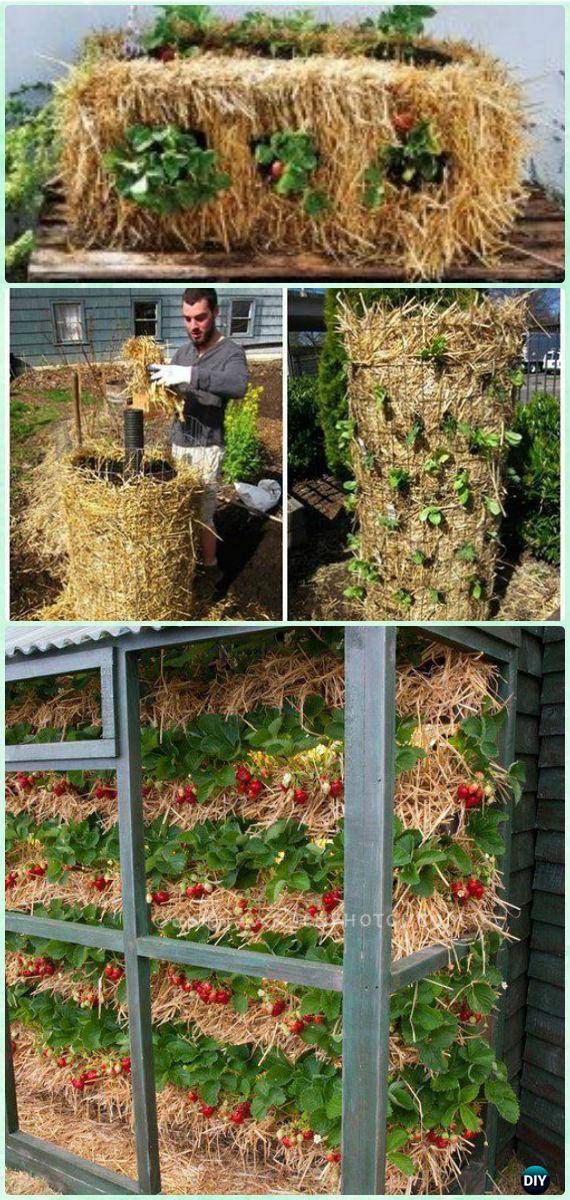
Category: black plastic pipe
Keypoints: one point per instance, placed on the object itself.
(133, 428)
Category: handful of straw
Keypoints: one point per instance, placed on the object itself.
(139, 353)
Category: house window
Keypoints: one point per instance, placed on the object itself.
(146, 318)
(69, 322)
(241, 316)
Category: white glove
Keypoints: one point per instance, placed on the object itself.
(170, 376)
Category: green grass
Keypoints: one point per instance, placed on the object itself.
(29, 421)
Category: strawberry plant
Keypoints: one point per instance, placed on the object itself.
(288, 160)
(412, 162)
(165, 169)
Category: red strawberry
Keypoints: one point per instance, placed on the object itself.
(459, 892)
(126, 1064)
(160, 897)
(297, 1027)
(462, 791)
(62, 1061)
(254, 788)
(300, 796)
(308, 1135)
(166, 54)
(242, 775)
(442, 1143)
(100, 883)
(277, 1008)
(475, 888)
(334, 1156)
(192, 1095)
(403, 122)
(276, 169)
(222, 996)
(207, 1110)
(313, 910)
(337, 788)
(287, 1142)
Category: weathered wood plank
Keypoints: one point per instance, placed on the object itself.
(526, 734)
(518, 960)
(553, 656)
(543, 1112)
(514, 1029)
(528, 694)
(516, 995)
(522, 853)
(551, 783)
(520, 891)
(547, 967)
(549, 846)
(550, 815)
(551, 752)
(524, 817)
(535, 252)
(530, 655)
(519, 922)
(552, 720)
(530, 763)
(548, 907)
(543, 1083)
(553, 688)
(543, 1054)
(549, 938)
(547, 1028)
(545, 996)
(549, 877)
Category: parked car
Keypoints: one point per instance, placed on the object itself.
(551, 362)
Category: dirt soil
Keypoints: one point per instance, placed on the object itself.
(250, 552)
(526, 590)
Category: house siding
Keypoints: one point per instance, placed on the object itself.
(108, 317)
(540, 1131)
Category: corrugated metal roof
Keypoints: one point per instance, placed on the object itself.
(26, 637)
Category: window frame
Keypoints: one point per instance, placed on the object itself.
(157, 301)
(83, 340)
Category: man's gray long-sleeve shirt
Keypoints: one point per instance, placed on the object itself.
(218, 375)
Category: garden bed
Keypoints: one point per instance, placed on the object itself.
(242, 750)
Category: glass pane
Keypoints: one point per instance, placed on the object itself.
(145, 318)
(68, 322)
(240, 316)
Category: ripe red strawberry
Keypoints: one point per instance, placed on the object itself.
(62, 1061)
(313, 910)
(276, 169)
(192, 1095)
(187, 796)
(300, 796)
(460, 892)
(254, 788)
(256, 927)
(237, 1117)
(462, 791)
(277, 1008)
(36, 870)
(160, 897)
(58, 788)
(78, 1084)
(442, 1143)
(166, 54)
(297, 1027)
(100, 883)
(287, 1142)
(470, 1134)
(403, 122)
(334, 1156)
(308, 1135)
(207, 1110)
(126, 1064)
(222, 996)
(243, 775)
(337, 788)
(475, 888)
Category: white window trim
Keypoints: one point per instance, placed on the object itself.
(251, 300)
(83, 340)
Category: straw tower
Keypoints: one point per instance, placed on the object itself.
(431, 397)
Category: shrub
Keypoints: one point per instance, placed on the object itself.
(243, 455)
(30, 161)
(332, 398)
(534, 503)
(164, 169)
(306, 449)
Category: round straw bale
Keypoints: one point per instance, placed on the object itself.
(352, 107)
(430, 399)
(130, 539)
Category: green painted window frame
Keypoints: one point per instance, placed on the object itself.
(368, 976)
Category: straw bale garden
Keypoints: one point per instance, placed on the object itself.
(187, 908)
(370, 143)
(451, 480)
(102, 532)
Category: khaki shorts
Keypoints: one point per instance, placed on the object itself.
(207, 460)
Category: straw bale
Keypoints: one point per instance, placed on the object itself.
(348, 104)
(155, 399)
(130, 542)
(468, 383)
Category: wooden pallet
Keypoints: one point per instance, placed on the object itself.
(535, 254)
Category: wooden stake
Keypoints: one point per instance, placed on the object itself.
(76, 403)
